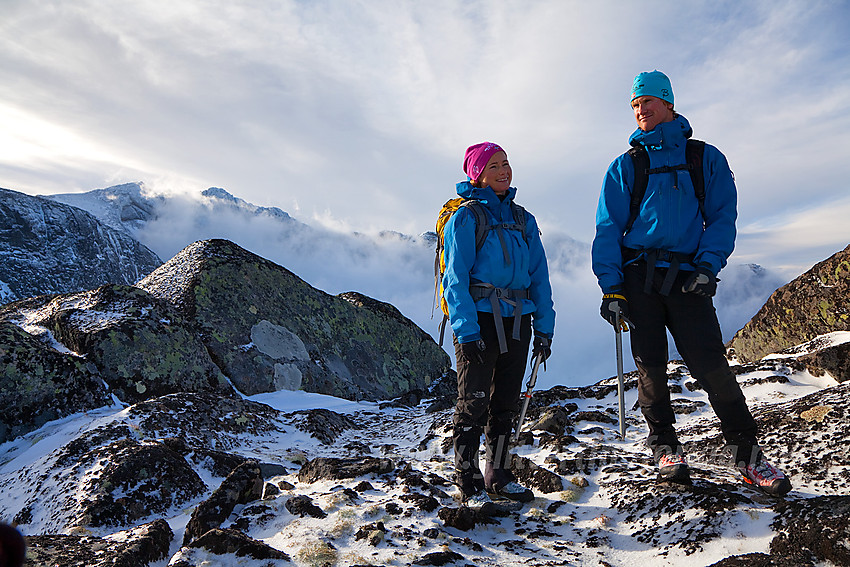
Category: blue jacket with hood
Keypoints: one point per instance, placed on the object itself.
(669, 217)
(464, 265)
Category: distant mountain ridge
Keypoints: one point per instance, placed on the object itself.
(49, 247)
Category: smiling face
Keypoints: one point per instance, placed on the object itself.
(497, 173)
(651, 111)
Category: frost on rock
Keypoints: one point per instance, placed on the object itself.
(50, 247)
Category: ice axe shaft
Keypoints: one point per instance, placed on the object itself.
(532, 380)
(620, 380)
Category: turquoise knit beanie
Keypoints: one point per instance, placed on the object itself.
(653, 83)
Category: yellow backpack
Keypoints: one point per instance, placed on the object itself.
(482, 227)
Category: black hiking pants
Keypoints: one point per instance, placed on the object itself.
(488, 401)
(693, 325)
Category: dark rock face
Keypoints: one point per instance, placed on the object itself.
(834, 360)
(39, 384)
(323, 424)
(137, 547)
(335, 469)
(49, 247)
(243, 485)
(816, 303)
(269, 330)
(302, 505)
(139, 345)
(231, 541)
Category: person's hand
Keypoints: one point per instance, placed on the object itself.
(613, 303)
(542, 345)
(473, 351)
(701, 282)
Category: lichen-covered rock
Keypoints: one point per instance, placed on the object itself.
(816, 303)
(39, 384)
(269, 330)
(139, 344)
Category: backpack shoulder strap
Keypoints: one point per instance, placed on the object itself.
(640, 160)
(693, 155)
(520, 218)
(482, 223)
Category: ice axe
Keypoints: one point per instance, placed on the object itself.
(618, 331)
(532, 380)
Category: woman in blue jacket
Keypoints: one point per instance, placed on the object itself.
(498, 295)
(658, 270)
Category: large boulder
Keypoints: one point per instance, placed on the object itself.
(269, 330)
(816, 303)
(50, 247)
(138, 344)
(39, 384)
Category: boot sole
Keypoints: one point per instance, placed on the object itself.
(523, 497)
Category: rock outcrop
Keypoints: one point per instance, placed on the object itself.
(269, 330)
(49, 247)
(814, 304)
(138, 344)
(39, 384)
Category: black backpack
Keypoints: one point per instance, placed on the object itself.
(640, 159)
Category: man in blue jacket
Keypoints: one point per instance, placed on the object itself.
(658, 270)
(498, 295)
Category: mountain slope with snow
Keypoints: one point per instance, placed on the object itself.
(49, 247)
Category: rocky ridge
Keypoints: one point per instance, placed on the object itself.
(812, 305)
(49, 247)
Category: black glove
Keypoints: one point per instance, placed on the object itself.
(473, 351)
(542, 345)
(701, 282)
(611, 303)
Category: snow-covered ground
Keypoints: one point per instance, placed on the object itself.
(595, 520)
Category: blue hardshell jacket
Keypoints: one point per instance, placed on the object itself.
(669, 217)
(464, 265)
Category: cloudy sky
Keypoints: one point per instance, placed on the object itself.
(355, 114)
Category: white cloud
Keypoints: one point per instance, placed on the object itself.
(358, 112)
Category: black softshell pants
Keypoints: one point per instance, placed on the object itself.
(693, 325)
(488, 401)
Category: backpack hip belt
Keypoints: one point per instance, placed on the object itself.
(651, 256)
(511, 297)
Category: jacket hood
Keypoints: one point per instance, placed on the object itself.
(677, 130)
(486, 195)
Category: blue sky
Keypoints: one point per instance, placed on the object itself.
(355, 114)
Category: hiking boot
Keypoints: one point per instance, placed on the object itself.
(479, 501)
(512, 491)
(765, 476)
(673, 467)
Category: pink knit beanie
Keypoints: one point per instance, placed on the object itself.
(476, 158)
